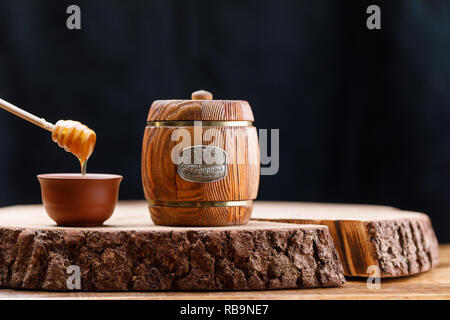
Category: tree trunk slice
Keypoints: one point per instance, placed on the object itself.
(399, 242)
(129, 253)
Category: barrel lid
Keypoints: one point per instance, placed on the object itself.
(201, 107)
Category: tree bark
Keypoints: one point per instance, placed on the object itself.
(260, 255)
(399, 243)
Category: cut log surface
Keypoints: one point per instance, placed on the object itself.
(129, 253)
(399, 243)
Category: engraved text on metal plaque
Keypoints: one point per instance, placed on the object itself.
(202, 164)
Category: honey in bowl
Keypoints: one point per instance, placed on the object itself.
(75, 200)
(75, 138)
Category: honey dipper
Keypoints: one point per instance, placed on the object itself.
(71, 135)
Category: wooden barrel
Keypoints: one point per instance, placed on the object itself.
(200, 161)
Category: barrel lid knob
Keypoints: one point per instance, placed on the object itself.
(201, 95)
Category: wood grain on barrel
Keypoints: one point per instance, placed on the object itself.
(190, 110)
(161, 181)
(159, 172)
(182, 216)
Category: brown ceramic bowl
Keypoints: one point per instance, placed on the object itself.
(75, 201)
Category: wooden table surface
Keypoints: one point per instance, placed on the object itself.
(434, 284)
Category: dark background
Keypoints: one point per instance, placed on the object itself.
(364, 115)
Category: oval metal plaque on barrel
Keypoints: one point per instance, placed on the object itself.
(202, 164)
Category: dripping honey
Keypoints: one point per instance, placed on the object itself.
(75, 138)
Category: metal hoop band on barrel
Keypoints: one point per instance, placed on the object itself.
(200, 204)
(180, 123)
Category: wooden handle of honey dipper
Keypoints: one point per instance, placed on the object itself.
(26, 115)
